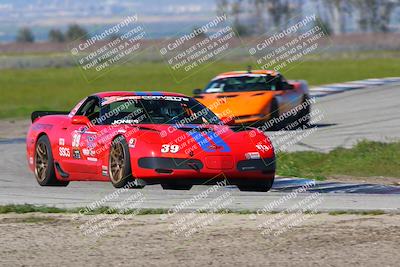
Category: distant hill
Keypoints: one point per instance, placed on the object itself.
(162, 17)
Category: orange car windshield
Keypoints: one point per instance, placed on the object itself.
(244, 83)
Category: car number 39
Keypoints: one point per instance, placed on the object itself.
(169, 148)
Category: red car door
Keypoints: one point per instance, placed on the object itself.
(78, 141)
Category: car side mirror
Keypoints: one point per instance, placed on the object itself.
(197, 91)
(228, 120)
(80, 120)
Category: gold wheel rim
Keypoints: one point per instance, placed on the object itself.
(117, 163)
(41, 161)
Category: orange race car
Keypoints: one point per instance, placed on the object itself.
(254, 97)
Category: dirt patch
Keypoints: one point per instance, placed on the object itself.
(14, 128)
(233, 240)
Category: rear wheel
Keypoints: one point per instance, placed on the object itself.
(264, 186)
(304, 114)
(44, 164)
(119, 165)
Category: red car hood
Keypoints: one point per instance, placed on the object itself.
(174, 134)
(167, 133)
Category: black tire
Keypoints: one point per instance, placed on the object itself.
(304, 113)
(120, 172)
(44, 164)
(176, 187)
(260, 187)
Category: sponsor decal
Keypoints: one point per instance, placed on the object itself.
(85, 130)
(252, 155)
(112, 99)
(92, 159)
(109, 100)
(104, 173)
(167, 98)
(165, 148)
(85, 152)
(64, 152)
(30, 160)
(214, 147)
(76, 139)
(245, 75)
(104, 168)
(132, 143)
(91, 145)
(61, 142)
(76, 154)
(124, 121)
(88, 152)
(248, 168)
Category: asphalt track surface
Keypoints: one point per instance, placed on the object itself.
(370, 113)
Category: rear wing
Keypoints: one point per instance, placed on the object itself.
(37, 114)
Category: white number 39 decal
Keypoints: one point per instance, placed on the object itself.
(169, 148)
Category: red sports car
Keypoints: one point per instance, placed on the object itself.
(138, 138)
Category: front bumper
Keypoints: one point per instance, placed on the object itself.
(195, 171)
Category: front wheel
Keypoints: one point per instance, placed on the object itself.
(273, 121)
(304, 114)
(44, 164)
(119, 165)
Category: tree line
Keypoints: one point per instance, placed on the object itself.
(252, 17)
(73, 32)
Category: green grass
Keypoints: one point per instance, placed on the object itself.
(366, 159)
(25, 90)
(28, 208)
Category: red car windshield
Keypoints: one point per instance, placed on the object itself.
(156, 110)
